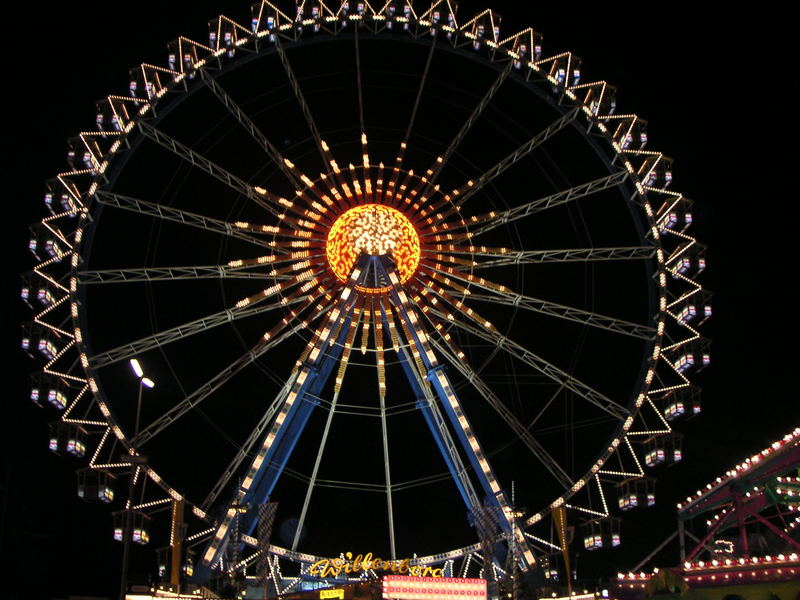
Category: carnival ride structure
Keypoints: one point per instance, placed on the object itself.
(365, 257)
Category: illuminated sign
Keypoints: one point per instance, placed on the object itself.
(333, 567)
(396, 587)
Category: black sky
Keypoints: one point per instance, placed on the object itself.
(719, 92)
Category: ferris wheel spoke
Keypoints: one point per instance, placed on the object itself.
(256, 433)
(547, 369)
(387, 477)
(544, 407)
(511, 420)
(564, 255)
(263, 472)
(417, 357)
(173, 334)
(315, 471)
(418, 98)
(408, 310)
(393, 182)
(167, 213)
(261, 198)
(236, 111)
(301, 100)
(343, 362)
(502, 295)
(245, 449)
(569, 313)
(138, 275)
(213, 384)
(498, 218)
(358, 82)
(512, 159)
(441, 162)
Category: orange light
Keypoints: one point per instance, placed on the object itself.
(373, 229)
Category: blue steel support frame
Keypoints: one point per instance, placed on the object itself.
(293, 429)
(314, 374)
(439, 380)
(423, 403)
(317, 372)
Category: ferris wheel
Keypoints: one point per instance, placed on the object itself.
(388, 266)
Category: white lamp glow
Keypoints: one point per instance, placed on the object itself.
(137, 368)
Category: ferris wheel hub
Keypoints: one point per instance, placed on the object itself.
(376, 230)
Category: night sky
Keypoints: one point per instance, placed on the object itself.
(719, 94)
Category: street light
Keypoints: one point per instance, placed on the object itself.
(137, 368)
(144, 382)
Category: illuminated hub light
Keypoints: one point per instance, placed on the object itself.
(376, 230)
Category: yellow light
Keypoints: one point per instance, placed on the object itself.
(373, 229)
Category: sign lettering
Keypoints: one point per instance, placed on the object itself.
(333, 567)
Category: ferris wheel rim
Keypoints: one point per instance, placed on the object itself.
(603, 455)
(323, 38)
